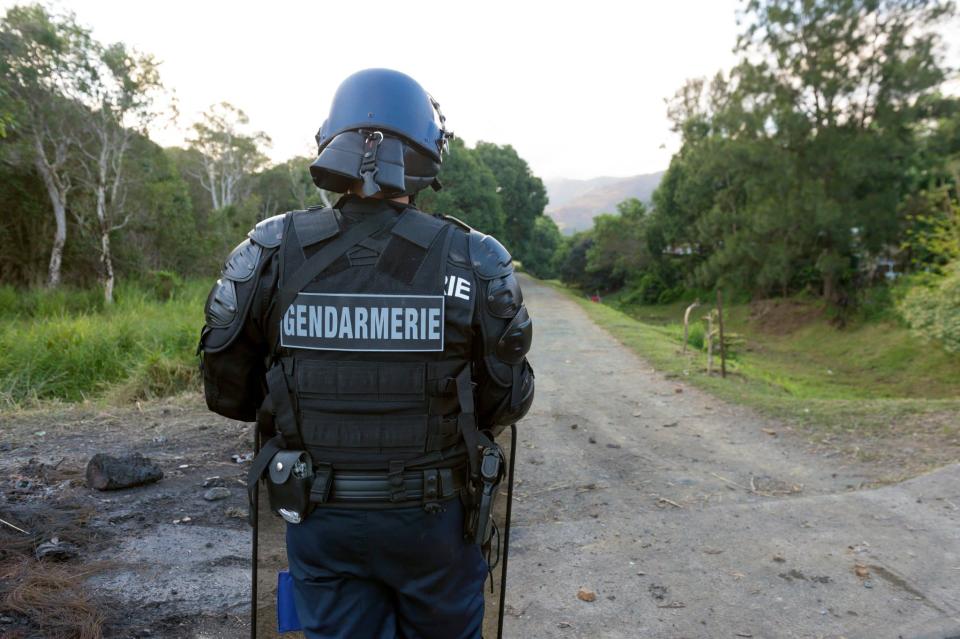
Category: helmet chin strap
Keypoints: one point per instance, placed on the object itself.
(368, 166)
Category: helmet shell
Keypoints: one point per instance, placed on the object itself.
(388, 101)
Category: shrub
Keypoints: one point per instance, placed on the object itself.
(645, 290)
(163, 285)
(933, 312)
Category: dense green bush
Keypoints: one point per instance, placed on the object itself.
(163, 285)
(933, 311)
(645, 289)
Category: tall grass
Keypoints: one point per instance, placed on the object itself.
(67, 345)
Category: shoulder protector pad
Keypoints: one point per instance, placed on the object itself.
(515, 341)
(488, 256)
(456, 221)
(222, 307)
(242, 262)
(269, 232)
(504, 298)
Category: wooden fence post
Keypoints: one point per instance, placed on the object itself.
(686, 323)
(709, 343)
(723, 347)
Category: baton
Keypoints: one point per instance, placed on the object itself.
(506, 531)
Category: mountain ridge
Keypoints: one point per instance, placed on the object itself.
(574, 203)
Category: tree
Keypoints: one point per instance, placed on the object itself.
(119, 91)
(227, 156)
(42, 59)
(469, 191)
(288, 186)
(543, 248)
(522, 195)
(794, 167)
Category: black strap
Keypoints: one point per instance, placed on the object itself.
(326, 256)
(322, 482)
(257, 468)
(472, 437)
(284, 417)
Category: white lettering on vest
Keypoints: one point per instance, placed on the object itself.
(396, 323)
(463, 289)
(434, 323)
(301, 320)
(360, 325)
(410, 323)
(329, 321)
(289, 321)
(346, 330)
(378, 323)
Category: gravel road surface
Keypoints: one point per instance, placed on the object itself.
(682, 516)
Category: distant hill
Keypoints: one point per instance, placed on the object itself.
(574, 203)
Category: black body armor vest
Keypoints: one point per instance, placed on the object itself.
(373, 337)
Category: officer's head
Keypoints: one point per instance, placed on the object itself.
(384, 134)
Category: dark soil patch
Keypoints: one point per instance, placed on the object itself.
(782, 316)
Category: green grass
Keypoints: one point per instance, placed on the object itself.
(868, 375)
(65, 345)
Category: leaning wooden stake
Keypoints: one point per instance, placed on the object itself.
(686, 323)
(723, 347)
(709, 318)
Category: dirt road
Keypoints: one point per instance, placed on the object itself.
(691, 518)
(686, 517)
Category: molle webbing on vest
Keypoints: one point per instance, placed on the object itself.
(368, 394)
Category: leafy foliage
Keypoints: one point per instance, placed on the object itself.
(823, 161)
(933, 312)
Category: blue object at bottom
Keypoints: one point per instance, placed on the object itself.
(287, 620)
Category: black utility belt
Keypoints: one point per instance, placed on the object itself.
(383, 489)
(296, 485)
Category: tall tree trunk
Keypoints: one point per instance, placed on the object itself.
(58, 199)
(106, 259)
(108, 276)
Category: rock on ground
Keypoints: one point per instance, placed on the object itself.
(105, 472)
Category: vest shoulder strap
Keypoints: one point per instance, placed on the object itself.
(417, 227)
(323, 258)
(314, 225)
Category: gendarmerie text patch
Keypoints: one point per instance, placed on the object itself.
(363, 322)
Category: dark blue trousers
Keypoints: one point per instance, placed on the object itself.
(398, 573)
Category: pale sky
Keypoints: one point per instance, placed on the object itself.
(578, 90)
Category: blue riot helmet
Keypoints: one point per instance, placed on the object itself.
(384, 130)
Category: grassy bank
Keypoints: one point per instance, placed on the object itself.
(868, 382)
(65, 345)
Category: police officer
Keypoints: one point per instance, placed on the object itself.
(383, 349)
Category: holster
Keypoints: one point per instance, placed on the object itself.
(289, 481)
(479, 524)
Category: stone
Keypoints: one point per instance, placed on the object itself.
(216, 493)
(105, 472)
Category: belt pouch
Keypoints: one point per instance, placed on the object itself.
(288, 487)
